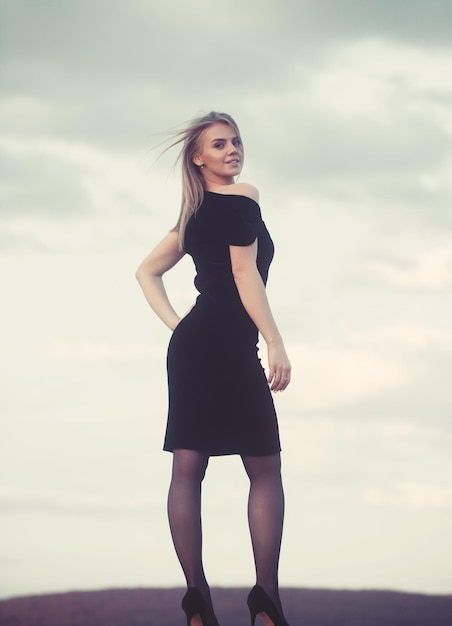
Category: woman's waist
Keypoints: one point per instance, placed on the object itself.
(226, 304)
(229, 315)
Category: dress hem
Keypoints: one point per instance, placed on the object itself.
(215, 453)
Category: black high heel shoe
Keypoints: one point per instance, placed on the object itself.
(196, 609)
(260, 603)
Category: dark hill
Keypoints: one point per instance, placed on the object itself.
(161, 607)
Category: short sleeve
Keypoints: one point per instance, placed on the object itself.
(242, 223)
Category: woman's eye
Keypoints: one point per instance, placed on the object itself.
(219, 145)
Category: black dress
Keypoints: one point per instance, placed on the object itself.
(219, 399)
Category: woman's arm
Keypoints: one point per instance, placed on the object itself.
(149, 274)
(254, 298)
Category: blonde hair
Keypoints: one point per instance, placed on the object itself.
(192, 180)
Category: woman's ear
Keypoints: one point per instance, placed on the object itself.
(197, 160)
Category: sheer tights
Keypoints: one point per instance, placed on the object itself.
(265, 516)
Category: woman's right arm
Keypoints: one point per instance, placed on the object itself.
(149, 274)
(254, 298)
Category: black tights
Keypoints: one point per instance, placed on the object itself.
(265, 516)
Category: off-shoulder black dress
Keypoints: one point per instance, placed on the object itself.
(219, 399)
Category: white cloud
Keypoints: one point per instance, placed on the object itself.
(402, 336)
(411, 495)
(28, 110)
(374, 77)
(359, 365)
(113, 180)
(85, 349)
(15, 499)
(327, 375)
(405, 430)
(312, 444)
(432, 270)
(180, 15)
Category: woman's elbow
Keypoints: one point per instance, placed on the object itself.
(146, 271)
(139, 272)
(142, 272)
(242, 273)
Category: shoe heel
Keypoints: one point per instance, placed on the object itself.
(193, 605)
(259, 602)
(252, 608)
(197, 610)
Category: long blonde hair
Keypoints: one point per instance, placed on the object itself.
(192, 180)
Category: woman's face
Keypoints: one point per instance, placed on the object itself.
(221, 156)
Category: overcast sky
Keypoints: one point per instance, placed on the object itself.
(345, 112)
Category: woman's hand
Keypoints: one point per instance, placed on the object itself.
(279, 366)
(182, 317)
(149, 274)
(176, 324)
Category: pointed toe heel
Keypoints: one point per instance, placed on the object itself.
(196, 609)
(193, 604)
(260, 603)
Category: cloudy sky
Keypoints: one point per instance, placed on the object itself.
(345, 111)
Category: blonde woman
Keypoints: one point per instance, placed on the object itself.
(220, 399)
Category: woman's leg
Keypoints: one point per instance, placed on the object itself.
(184, 513)
(265, 516)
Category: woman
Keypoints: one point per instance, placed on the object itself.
(219, 397)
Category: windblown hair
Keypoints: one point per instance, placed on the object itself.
(192, 180)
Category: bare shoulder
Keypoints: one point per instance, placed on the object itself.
(238, 189)
(245, 189)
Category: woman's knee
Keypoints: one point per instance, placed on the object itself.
(260, 466)
(189, 464)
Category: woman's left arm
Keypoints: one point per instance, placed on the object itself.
(254, 298)
(149, 274)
